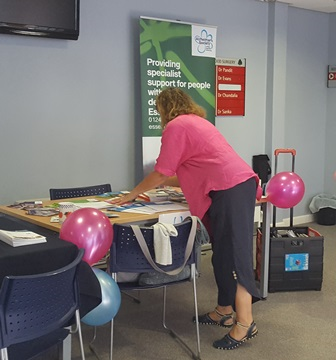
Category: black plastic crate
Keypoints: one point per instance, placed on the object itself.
(326, 216)
(295, 262)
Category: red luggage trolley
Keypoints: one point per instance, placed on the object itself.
(296, 252)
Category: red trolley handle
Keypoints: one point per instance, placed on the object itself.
(283, 151)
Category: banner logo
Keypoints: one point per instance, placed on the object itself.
(203, 41)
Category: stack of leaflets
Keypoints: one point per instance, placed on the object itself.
(25, 205)
(21, 237)
(154, 195)
(43, 211)
(35, 207)
(174, 195)
(148, 207)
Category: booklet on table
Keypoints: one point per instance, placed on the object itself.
(21, 237)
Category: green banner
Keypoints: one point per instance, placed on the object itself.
(175, 54)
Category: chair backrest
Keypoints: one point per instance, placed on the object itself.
(34, 305)
(127, 256)
(68, 193)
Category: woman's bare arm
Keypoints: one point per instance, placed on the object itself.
(172, 181)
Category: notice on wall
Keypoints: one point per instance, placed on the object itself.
(230, 87)
(173, 54)
(332, 76)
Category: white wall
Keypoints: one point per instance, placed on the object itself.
(70, 109)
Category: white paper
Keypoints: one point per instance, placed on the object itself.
(93, 204)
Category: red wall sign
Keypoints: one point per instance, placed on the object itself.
(230, 87)
(331, 76)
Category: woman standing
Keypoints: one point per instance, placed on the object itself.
(220, 186)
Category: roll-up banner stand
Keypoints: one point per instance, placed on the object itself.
(173, 54)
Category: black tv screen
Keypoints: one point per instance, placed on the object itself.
(48, 18)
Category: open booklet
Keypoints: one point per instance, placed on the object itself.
(21, 237)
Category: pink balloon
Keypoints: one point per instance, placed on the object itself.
(90, 229)
(285, 190)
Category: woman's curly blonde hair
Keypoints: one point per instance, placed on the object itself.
(172, 102)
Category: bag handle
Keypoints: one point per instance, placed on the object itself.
(188, 250)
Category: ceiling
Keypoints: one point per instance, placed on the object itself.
(327, 6)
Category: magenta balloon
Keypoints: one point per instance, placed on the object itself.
(90, 229)
(285, 190)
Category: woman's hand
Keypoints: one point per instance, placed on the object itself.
(122, 199)
(151, 181)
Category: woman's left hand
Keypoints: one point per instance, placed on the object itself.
(122, 199)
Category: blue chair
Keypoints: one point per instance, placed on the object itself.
(36, 311)
(68, 193)
(126, 255)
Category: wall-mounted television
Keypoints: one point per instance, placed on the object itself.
(48, 18)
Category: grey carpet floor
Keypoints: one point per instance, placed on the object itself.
(292, 325)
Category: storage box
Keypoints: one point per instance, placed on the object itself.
(295, 261)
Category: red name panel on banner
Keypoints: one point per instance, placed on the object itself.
(230, 95)
(231, 79)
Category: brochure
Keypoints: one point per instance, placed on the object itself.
(21, 237)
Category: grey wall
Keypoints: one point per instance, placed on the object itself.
(70, 109)
(306, 97)
(330, 144)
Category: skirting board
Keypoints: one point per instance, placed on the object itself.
(297, 220)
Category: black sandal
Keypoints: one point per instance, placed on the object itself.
(206, 319)
(229, 343)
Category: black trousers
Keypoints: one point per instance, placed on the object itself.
(232, 219)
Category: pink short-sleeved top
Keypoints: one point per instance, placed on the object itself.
(193, 149)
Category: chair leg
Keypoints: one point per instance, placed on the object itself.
(198, 340)
(79, 330)
(111, 343)
(135, 298)
(66, 347)
(195, 355)
(4, 354)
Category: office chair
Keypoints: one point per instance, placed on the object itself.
(36, 311)
(68, 193)
(126, 255)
